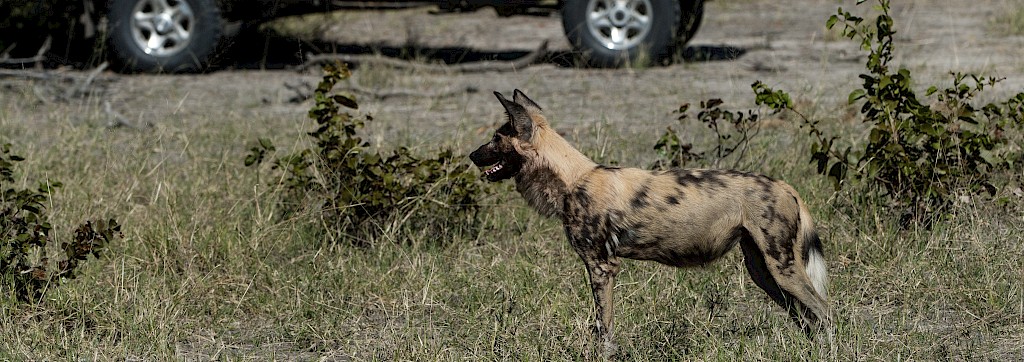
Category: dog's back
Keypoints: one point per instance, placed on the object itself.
(679, 217)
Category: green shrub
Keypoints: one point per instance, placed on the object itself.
(733, 131)
(25, 232)
(918, 153)
(361, 192)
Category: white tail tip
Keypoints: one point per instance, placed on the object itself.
(816, 271)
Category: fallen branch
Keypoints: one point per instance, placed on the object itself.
(27, 74)
(40, 56)
(20, 61)
(43, 49)
(82, 86)
(475, 67)
(392, 93)
(51, 86)
(304, 91)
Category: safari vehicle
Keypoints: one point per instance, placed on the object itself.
(181, 35)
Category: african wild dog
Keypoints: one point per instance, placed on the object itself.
(678, 217)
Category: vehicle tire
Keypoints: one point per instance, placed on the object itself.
(690, 18)
(163, 35)
(610, 33)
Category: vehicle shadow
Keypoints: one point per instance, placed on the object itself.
(711, 53)
(267, 50)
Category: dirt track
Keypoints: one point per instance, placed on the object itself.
(783, 43)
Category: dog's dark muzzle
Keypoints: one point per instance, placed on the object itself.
(483, 157)
(496, 167)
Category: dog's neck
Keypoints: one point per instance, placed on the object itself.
(551, 170)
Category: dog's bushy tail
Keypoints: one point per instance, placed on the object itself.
(814, 257)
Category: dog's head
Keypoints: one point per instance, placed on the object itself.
(503, 153)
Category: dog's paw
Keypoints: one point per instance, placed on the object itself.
(609, 349)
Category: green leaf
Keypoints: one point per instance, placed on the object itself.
(876, 136)
(266, 144)
(990, 157)
(250, 159)
(346, 101)
(855, 95)
(837, 172)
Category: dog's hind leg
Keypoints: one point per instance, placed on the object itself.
(788, 287)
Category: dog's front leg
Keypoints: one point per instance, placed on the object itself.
(589, 241)
(602, 282)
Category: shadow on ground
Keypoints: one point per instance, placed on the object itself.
(268, 50)
(252, 49)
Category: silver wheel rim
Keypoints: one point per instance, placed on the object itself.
(162, 27)
(619, 24)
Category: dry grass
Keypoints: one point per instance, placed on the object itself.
(1010, 20)
(208, 269)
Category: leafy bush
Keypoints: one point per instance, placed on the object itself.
(733, 130)
(917, 152)
(361, 192)
(25, 269)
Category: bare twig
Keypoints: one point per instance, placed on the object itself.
(5, 57)
(18, 61)
(41, 54)
(82, 86)
(116, 119)
(89, 28)
(475, 67)
(302, 91)
(7, 52)
(45, 47)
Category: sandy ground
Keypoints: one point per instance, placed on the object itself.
(783, 43)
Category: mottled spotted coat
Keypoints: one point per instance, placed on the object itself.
(679, 217)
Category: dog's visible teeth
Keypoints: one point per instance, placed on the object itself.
(493, 169)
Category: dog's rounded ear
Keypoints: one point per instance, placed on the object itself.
(519, 97)
(519, 117)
